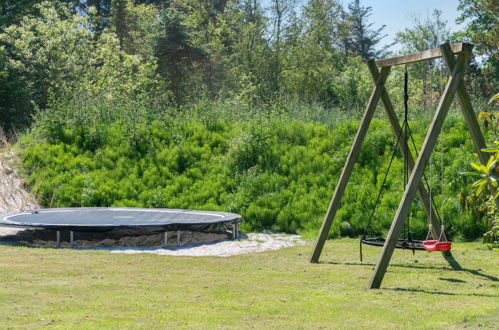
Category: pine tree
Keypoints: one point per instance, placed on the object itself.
(364, 39)
(283, 19)
(176, 53)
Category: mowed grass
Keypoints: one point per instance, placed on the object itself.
(87, 289)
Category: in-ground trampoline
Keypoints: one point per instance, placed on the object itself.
(101, 219)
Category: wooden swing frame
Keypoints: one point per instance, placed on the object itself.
(456, 67)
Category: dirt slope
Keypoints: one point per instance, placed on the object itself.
(13, 193)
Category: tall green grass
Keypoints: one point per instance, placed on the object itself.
(274, 167)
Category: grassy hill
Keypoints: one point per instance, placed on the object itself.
(277, 171)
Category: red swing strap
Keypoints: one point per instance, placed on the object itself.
(440, 244)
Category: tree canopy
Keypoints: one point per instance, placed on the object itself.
(175, 52)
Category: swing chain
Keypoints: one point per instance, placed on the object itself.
(441, 238)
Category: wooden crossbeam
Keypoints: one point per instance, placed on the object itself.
(429, 143)
(429, 54)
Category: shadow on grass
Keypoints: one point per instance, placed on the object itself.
(460, 269)
(345, 263)
(480, 274)
(452, 280)
(443, 293)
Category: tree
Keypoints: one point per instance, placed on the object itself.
(43, 55)
(14, 109)
(283, 19)
(251, 59)
(176, 53)
(13, 92)
(98, 12)
(56, 56)
(483, 26)
(482, 29)
(12, 11)
(325, 25)
(214, 27)
(426, 33)
(137, 27)
(320, 70)
(363, 39)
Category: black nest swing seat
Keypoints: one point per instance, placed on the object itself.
(402, 243)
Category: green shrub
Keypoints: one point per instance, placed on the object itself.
(279, 173)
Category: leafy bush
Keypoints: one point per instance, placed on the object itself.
(484, 197)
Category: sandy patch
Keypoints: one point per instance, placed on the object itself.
(256, 242)
(191, 244)
(116, 238)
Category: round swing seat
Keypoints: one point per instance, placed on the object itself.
(403, 244)
(434, 245)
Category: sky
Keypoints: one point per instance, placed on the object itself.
(396, 14)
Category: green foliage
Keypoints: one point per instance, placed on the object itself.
(426, 78)
(482, 27)
(176, 53)
(249, 63)
(55, 56)
(98, 12)
(137, 27)
(484, 197)
(426, 33)
(485, 192)
(43, 55)
(218, 105)
(278, 172)
(12, 11)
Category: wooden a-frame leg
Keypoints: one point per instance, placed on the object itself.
(467, 108)
(417, 173)
(351, 159)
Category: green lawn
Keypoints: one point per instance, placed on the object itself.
(87, 289)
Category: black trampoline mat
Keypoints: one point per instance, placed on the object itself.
(99, 218)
